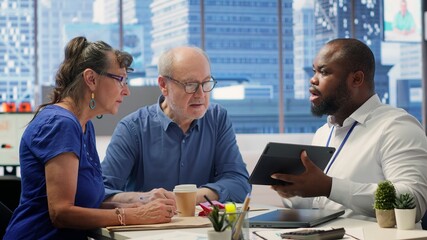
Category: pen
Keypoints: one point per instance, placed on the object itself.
(258, 209)
(241, 218)
(207, 199)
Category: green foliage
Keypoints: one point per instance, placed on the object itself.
(385, 196)
(405, 201)
(218, 219)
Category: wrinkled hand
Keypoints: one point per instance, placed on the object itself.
(156, 211)
(156, 193)
(311, 183)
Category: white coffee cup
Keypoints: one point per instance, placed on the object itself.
(185, 195)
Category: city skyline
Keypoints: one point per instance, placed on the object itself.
(241, 38)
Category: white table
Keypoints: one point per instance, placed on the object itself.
(371, 231)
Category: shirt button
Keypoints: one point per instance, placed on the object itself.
(183, 141)
(182, 164)
(87, 153)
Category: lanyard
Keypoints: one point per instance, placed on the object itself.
(340, 147)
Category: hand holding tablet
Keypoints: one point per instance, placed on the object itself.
(285, 158)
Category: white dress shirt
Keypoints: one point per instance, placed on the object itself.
(386, 143)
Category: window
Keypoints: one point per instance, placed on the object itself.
(240, 38)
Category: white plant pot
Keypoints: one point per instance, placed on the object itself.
(405, 218)
(213, 235)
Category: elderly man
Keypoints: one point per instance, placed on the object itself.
(180, 139)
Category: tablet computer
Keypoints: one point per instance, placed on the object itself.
(286, 158)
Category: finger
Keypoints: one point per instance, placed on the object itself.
(169, 202)
(170, 212)
(158, 193)
(287, 195)
(308, 164)
(170, 195)
(304, 154)
(162, 192)
(283, 193)
(173, 207)
(283, 177)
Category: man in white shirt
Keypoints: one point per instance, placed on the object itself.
(373, 141)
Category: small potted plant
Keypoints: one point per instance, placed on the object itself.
(405, 211)
(221, 226)
(384, 200)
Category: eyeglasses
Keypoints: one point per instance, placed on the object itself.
(122, 80)
(192, 87)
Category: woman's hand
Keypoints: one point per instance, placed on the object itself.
(156, 211)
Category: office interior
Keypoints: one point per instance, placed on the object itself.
(13, 115)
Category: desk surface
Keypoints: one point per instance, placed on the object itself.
(371, 230)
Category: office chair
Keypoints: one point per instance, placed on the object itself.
(5, 216)
(10, 191)
(424, 221)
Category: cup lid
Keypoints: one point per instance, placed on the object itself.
(185, 188)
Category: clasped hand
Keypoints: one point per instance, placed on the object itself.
(157, 206)
(311, 183)
(156, 193)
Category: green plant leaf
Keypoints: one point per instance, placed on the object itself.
(219, 220)
(405, 201)
(385, 196)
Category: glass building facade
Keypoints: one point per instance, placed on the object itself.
(261, 51)
(17, 53)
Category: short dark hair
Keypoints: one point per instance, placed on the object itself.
(356, 56)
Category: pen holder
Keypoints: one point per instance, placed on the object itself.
(239, 225)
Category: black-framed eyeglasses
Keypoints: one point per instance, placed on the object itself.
(122, 80)
(192, 87)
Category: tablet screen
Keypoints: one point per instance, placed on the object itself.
(285, 158)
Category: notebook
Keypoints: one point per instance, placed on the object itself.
(286, 158)
(294, 218)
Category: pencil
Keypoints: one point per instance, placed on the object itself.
(241, 218)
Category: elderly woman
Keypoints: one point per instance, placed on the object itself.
(62, 186)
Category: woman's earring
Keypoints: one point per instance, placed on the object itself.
(92, 103)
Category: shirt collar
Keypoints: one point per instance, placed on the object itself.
(361, 114)
(165, 121)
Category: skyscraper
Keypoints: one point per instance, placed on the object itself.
(16, 51)
(304, 47)
(241, 39)
(354, 19)
(136, 21)
(53, 17)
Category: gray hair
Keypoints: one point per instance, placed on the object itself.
(166, 60)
